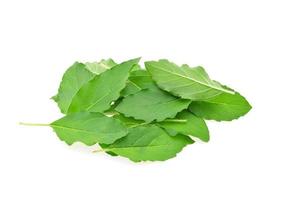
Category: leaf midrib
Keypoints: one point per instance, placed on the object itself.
(196, 81)
(97, 101)
(224, 104)
(76, 129)
(135, 84)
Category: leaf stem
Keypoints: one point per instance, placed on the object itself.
(99, 151)
(176, 120)
(136, 125)
(32, 124)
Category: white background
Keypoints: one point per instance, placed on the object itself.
(248, 45)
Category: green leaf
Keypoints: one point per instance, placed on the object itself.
(184, 123)
(129, 122)
(149, 105)
(88, 128)
(188, 124)
(138, 81)
(136, 67)
(73, 79)
(186, 82)
(98, 94)
(99, 67)
(111, 111)
(107, 152)
(224, 107)
(145, 143)
(55, 98)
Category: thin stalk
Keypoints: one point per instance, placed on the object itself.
(98, 151)
(175, 120)
(136, 125)
(33, 124)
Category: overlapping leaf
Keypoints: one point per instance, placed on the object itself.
(73, 79)
(185, 123)
(148, 143)
(188, 124)
(224, 107)
(138, 80)
(98, 94)
(141, 115)
(99, 67)
(129, 122)
(149, 105)
(88, 128)
(184, 81)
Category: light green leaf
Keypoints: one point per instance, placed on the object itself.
(224, 107)
(138, 80)
(188, 124)
(55, 98)
(145, 143)
(99, 67)
(149, 105)
(186, 82)
(98, 94)
(136, 67)
(88, 128)
(73, 79)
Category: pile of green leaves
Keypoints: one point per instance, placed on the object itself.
(141, 114)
